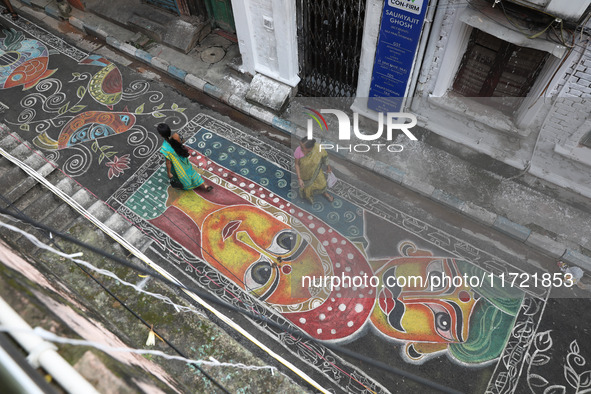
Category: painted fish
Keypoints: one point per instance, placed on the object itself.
(106, 86)
(22, 61)
(87, 126)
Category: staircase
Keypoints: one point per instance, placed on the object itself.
(23, 194)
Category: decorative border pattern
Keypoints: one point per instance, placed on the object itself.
(41, 34)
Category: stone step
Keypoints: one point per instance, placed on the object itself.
(20, 182)
(39, 210)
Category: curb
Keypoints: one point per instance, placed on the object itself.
(515, 230)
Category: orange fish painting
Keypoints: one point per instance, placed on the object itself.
(87, 126)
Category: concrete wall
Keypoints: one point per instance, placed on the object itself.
(543, 137)
(267, 37)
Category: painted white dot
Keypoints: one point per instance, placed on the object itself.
(310, 217)
(334, 240)
(322, 316)
(343, 242)
(253, 191)
(200, 164)
(339, 250)
(354, 288)
(325, 243)
(348, 269)
(360, 295)
(300, 214)
(289, 204)
(370, 292)
(337, 288)
(332, 300)
(275, 199)
(302, 320)
(281, 206)
(321, 230)
(220, 169)
(225, 175)
(358, 308)
(350, 257)
(342, 307)
(242, 184)
(263, 196)
(234, 179)
(339, 295)
(330, 230)
(210, 169)
(319, 331)
(251, 185)
(350, 324)
(329, 308)
(208, 162)
(144, 207)
(199, 157)
(338, 265)
(333, 331)
(292, 211)
(260, 189)
(271, 195)
(312, 225)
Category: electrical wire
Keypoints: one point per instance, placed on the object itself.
(225, 288)
(206, 296)
(207, 376)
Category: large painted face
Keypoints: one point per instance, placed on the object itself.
(412, 306)
(260, 253)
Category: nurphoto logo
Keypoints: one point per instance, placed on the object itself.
(394, 121)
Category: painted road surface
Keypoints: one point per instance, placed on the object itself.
(254, 243)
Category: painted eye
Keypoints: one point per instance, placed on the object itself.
(260, 273)
(442, 321)
(284, 242)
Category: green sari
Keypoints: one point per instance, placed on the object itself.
(311, 173)
(182, 168)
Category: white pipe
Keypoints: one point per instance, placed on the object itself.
(43, 354)
(17, 375)
(416, 71)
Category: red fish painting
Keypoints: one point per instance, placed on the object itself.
(87, 126)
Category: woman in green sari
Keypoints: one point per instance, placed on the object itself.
(178, 166)
(309, 159)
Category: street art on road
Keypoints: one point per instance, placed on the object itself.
(65, 115)
(23, 62)
(266, 242)
(253, 232)
(252, 240)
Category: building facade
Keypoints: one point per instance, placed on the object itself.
(510, 79)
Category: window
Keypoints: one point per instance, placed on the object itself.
(495, 68)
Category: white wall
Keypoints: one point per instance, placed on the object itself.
(267, 37)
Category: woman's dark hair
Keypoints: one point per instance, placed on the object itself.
(165, 132)
(308, 144)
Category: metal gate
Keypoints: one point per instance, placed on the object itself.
(329, 44)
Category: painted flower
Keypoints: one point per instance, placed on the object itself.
(118, 165)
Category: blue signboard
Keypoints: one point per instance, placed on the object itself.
(402, 21)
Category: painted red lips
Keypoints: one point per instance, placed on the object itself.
(230, 228)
